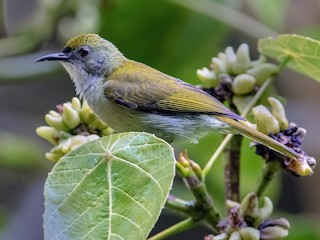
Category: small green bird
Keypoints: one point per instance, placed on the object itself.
(131, 96)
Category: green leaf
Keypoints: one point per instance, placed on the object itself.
(303, 53)
(110, 188)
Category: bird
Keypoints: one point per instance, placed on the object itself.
(132, 96)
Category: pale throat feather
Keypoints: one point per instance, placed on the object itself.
(82, 80)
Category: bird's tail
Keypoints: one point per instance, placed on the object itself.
(259, 137)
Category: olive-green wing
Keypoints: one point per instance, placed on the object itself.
(141, 87)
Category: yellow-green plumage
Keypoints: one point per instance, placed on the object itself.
(131, 96)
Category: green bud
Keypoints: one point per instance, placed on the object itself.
(107, 131)
(278, 112)
(54, 113)
(249, 233)
(230, 58)
(76, 104)
(77, 141)
(183, 171)
(262, 59)
(48, 133)
(265, 210)
(101, 125)
(56, 122)
(262, 72)
(70, 116)
(197, 170)
(92, 137)
(184, 160)
(86, 114)
(266, 122)
(249, 207)
(242, 62)
(243, 84)
(235, 236)
(277, 229)
(207, 77)
(64, 145)
(275, 232)
(232, 204)
(54, 156)
(219, 66)
(301, 167)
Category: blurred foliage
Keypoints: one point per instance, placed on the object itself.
(20, 154)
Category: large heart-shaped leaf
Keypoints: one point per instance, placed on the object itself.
(110, 188)
(303, 52)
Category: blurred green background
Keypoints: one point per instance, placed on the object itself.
(174, 36)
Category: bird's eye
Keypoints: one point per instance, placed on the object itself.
(83, 52)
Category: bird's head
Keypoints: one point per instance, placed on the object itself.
(87, 54)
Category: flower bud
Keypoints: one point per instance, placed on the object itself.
(107, 131)
(301, 132)
(249, 207)
(262, 72)
(274, 229)
(48, 133)
(207, 77)
(76, 104)
(86, 114)
(54, 113)
(242, 62)
(266, 209)
(64, 145)
(197, 170)
(273, 232)
(278, 112)
(184, 160)
(301, 167)
(56, 122)
(219, 66)
(230, 58)
(249, 233)
(262, 59)
(92, 137)
(70, 116)
(235, 236)
(77, 141)
(311, 162)
(54, 156)
(266, 123)
(232, 204)
(243, 84)
(183, 171)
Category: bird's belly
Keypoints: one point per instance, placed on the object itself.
(170, 127)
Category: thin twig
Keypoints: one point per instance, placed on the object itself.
(174, 229)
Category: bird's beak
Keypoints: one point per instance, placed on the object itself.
(60, 56)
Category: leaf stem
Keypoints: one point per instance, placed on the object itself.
(174, 229)
(226, 140)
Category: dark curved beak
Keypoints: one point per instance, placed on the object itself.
(60, 56)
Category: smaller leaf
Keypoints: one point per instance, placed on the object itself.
(303, 52)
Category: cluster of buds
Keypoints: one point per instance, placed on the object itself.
(234, 75)
(72, 125)
(277, 126)
(248, 221)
